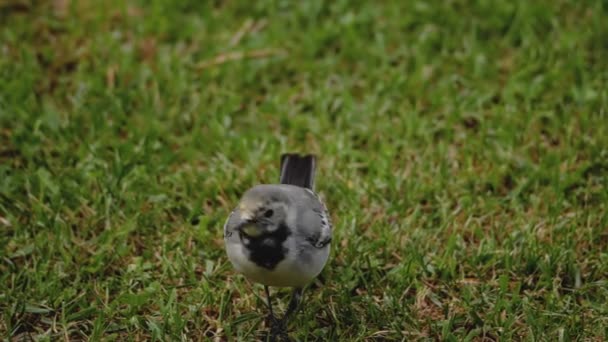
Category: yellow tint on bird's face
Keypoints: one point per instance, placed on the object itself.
(247, 210)
(252, 230)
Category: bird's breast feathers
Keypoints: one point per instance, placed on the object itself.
(290, 271)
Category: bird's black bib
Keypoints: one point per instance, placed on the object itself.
(267, 250)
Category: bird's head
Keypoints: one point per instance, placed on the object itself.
(261, 211)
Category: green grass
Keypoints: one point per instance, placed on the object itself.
(463, 151)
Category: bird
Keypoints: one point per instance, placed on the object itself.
(280, 235)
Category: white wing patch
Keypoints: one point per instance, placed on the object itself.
(323, 237)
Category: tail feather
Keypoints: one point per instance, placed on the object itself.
(298, 170)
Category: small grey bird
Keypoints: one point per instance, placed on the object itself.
(280, 234)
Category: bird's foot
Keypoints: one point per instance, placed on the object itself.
(271, 321)
(278, 328)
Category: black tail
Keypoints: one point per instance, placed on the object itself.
(298, 170)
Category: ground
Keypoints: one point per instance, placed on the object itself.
(462, 145)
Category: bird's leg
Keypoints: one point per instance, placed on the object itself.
(296, 297)
(271, 317)
(276, 332)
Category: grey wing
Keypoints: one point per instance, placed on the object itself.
(315, 224)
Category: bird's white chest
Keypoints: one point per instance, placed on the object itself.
(289, 272)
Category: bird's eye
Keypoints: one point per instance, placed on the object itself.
(269, 213)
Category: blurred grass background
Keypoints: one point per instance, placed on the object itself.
(463, 154)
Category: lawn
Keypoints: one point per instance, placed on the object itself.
(462, 146)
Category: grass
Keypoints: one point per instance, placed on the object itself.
(463, 151)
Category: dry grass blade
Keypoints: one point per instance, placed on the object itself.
(240, 55)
